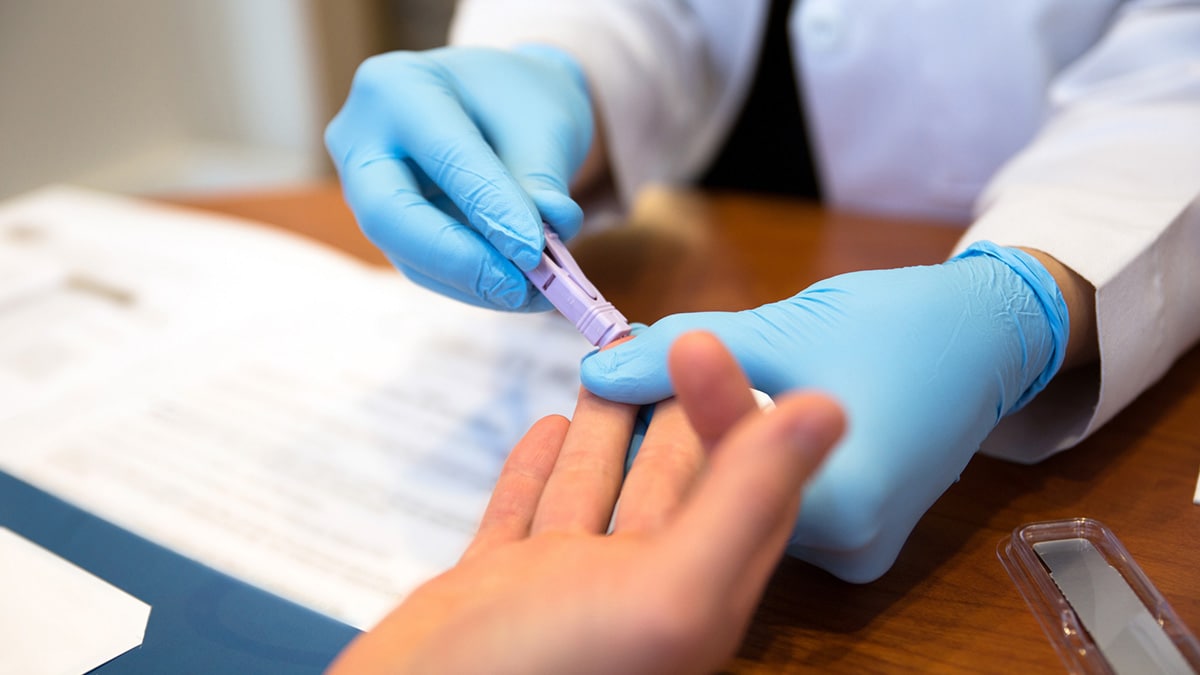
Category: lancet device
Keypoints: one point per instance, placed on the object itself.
(559, 278)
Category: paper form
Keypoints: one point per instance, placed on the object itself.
(337, 453)
(90, 285)
(58, 619)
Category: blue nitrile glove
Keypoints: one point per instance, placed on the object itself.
(451, 158)
(925, 360)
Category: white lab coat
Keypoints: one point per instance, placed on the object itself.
(1070, 126)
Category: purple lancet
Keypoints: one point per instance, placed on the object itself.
(559, 278)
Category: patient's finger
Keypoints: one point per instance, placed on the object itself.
(583, 487)
(666, 465)
(710, 385)
(706, 376)
(734, 527)
(518, 490)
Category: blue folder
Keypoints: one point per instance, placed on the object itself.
(201, 621)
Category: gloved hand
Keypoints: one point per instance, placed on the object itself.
(925, 361)
(451, 158)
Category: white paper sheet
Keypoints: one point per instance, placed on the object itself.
(58, 619)
(93, 284)
(337, 449)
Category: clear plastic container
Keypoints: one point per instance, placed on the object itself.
(1065, 627)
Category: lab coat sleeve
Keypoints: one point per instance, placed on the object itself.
(1110, 188)
(667, 76)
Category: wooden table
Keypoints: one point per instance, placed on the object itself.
(947, 605)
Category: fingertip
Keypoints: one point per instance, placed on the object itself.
(812, 422)
(610, 360)
(594, 366)
(560, 211)
(517, 237)
(699, 360)
(507, 291)
(618, 379)
(526, 257)
(617, 342)
(551, 425)
(534, 455)
(697, 345)
(511, 294)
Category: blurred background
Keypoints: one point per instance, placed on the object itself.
(187, 96)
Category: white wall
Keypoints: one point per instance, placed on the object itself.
(147, 96)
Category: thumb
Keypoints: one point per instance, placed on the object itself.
(636, 371)
(542, 161)
(545, 147)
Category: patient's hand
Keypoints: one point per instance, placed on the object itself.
(704, 515)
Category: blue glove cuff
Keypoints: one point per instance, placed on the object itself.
(1045, 289)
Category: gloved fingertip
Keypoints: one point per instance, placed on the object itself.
(505, 291)
(521, 244)
(563, 214)
(593, 375)
(526, 257)
(606, 378)
(595, 362)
